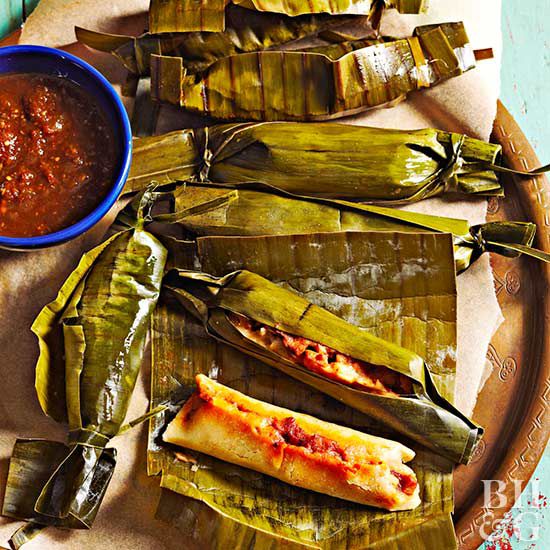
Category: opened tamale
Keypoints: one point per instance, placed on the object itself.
(99, 323)
(387, 282)
(298, 449)
(258, 511)
(322, 160)
(294, 85)
(254, 209)
(245, 31)
(282, 315)
(210, 15)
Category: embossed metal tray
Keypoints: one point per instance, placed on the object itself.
(514, 403)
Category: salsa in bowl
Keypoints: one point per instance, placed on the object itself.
(65, 147)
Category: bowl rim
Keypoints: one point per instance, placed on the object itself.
(86, 223)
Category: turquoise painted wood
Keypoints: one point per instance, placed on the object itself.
(525, 92)
(12, 13)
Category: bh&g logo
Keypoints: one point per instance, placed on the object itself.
(524, 524)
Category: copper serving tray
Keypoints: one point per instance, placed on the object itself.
(514, 404)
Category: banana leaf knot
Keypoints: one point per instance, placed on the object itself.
(449, 173)
(511, 239)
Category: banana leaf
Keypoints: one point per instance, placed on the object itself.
(146, 112)
(255, 209)
(245, 31)
(337, 49)
(322, 160)
(233, 506)
(101, 315)
(304, 86)
(210, 15)
(175, 509)
(297, 7)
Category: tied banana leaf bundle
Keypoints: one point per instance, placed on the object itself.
(255, 209)
(367, 373)
(305, 86)
(410, 306)
(245, 31)
(322, 160)
(100, 318)
(210, 15)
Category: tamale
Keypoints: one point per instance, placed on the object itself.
(100, 317)
(322, 160)
(296, 448)
(254, 209)
(245, 31)
(210, 15)
(257, 512)
(392, 301)
(297, 7)
(396, 262)
(417, 411)
(338, 49)
(304, 86)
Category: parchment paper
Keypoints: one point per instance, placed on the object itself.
(29, 280)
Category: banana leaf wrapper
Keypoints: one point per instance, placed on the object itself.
(255, 209)
(222, 504)
(167, 16)
(322, 160)
(341, 47)
(245, 31)
(306, 86)
(145, 113)
(297, 7)
(100, 319)
(400, 260)
(440, 428)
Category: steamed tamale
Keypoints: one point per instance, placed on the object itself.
(388, 282)
(296, 448)
(254, 209)
(245, 31)
(225, 503)
(99, 320)
(400, 394)
(322, 160)
(297, 7)
(210, 15)
(294, 85)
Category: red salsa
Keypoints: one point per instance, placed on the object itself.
(57, 154)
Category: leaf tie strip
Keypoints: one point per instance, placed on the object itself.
(421, 63)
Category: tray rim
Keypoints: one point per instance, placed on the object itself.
(529, 442)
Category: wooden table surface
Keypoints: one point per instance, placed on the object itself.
(525, 92)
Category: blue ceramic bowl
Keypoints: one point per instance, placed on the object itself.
(38, 59)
